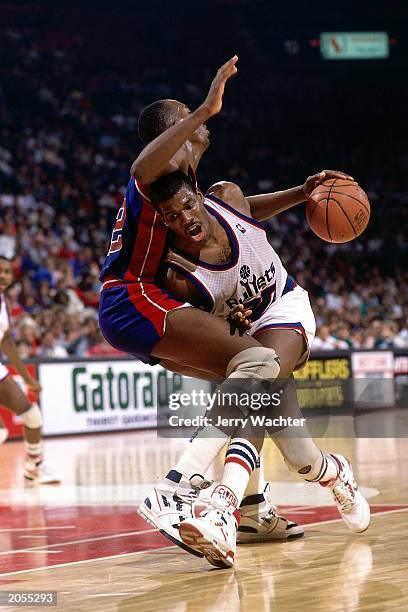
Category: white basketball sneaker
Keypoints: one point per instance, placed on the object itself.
(213, 531)
(351, 504)
(166, 508)
(260, 521)
(39, 473)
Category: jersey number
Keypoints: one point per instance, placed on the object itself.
(259, 304)
(116, 240)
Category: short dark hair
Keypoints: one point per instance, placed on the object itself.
(157, 118)
(168, 185)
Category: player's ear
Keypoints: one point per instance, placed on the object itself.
(200, 195)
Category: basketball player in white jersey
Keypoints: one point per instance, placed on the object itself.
(220, 257)
(176, 139)
(13, 398)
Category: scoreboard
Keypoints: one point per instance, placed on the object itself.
(354, 45)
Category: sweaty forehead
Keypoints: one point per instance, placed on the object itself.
(177, 202)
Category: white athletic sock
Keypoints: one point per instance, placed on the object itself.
(198, 456)
(240, 462)
(325, 472)
(33, 452)
(257, 482)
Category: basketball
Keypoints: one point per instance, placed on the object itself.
(338, 210)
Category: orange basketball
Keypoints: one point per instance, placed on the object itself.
(338, 210)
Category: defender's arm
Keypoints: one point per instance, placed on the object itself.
(182, 289)
(163, 154)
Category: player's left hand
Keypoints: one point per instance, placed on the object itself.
(33, 384)
(239, 319)
(313, 181)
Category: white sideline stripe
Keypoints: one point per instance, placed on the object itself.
(111, 594)
(154, 550)
(36, 528)
(48, 567)
(26, 551)
(109, 537)
(31, 536)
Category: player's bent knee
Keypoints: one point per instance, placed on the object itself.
(257, 362)
(32, 417)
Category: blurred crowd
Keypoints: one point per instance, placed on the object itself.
(69, 104)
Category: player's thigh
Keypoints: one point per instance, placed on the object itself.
(12, 397)
(200, 340)
(186, 370)
(288, 344)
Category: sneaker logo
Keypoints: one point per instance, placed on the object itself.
(226, 493)
(165, 501)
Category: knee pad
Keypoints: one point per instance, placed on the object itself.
(257, 362)
(303, 457)
(32, 417)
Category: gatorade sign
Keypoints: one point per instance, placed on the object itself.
(103, 396)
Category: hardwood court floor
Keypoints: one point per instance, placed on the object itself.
(84, 539)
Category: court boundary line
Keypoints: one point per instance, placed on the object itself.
(162, 548)
(71, 542)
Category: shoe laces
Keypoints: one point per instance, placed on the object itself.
(189, 491)
(272, 509)
(344, 493)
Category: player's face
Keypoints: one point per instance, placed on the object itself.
(6, 274)
(201, 136)
(186, 216)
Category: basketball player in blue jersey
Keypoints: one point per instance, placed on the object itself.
(220, 257)
(142, 318)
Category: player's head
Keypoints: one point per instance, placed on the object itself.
(162, 114)
(181, 207)
(6, 273)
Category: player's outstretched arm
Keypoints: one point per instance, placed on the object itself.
(160, 156)
(267, 205)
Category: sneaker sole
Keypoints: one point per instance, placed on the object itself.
(149, 516)
(256, 538)
(368, 524)
(193, 537)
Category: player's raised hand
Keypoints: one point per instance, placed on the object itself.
(239, 319)
(313, 181)
(213, 101)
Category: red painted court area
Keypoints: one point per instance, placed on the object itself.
(39, 537)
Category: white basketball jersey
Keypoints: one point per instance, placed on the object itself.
(4, 317)
(254, 276)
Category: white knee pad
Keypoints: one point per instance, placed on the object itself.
(302, 456)
(257, 362)
(32, 417)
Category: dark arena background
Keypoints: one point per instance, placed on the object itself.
(319, 86)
